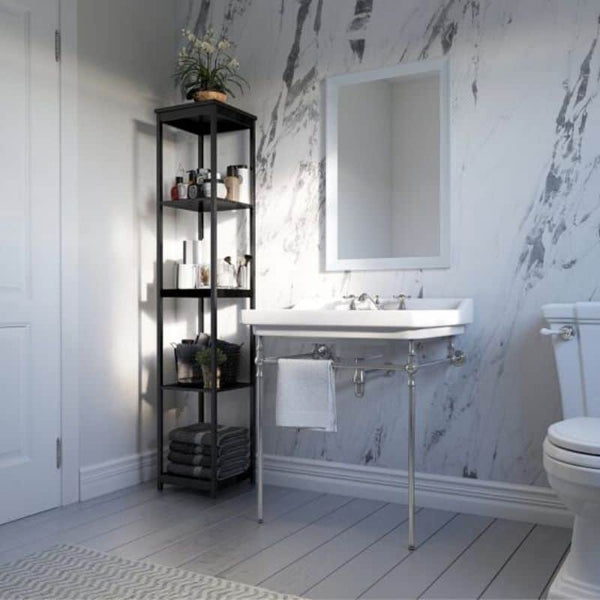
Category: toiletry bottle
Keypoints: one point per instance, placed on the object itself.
(244, 175)
(243, 271)
(232, 183)
(221, 189)
(175, 188)
(193, 190)
(182, 189)
(226, 273)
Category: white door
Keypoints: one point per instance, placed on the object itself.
(29, 258)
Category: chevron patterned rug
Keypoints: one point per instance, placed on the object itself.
(83, 574)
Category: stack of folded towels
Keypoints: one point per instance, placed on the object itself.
(190, 451)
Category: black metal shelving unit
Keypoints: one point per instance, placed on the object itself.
(209, 119)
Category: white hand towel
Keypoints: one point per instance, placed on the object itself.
(306, 394)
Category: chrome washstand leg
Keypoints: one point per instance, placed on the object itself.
(259, 439)
(411, 368)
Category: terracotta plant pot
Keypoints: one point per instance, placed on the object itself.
(207, 377)
(201, 95)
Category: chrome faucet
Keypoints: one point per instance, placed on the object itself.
(401, 301)
(363, 302)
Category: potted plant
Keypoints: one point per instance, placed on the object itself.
(203, 358)
(205, 70)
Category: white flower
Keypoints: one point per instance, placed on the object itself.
(224, 44)
(206, 47)
(234, 64)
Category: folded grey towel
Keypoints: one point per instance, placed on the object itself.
(199, 472)
(233, 445)
(206, 461)
(200, 433)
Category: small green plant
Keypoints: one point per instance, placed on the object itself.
(204, 64)
(203, 357)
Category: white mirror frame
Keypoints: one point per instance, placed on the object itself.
(333, 261)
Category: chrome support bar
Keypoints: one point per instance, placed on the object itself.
(259, 361)
(411, 369)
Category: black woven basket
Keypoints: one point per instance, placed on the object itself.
(231, 367)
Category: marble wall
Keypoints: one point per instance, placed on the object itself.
(525, 152)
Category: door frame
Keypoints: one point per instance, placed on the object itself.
(69, 252)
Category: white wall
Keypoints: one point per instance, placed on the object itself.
(126, 52)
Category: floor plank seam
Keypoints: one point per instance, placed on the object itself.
(554, 572)
(233, 566)
(186, 562)
(84, 523)
(457, 557)
(164, 526)
(254, 518)
(409, 554)
(194, 533)
(359, 553)
(506, 562)
(74, 507)
(34, 524)
(325, 542)
(202, 508)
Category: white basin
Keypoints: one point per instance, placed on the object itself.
(421, 319)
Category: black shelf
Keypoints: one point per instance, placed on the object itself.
(194, 117)
(202, 484)
(205, 205)
(204, 119)
(206, 293)
(190, 387)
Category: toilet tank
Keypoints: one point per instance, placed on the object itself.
(577, 359)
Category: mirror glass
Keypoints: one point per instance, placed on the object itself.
(386, 169)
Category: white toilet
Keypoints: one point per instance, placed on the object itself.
(572, 446)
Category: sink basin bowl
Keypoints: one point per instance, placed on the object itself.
(421, 319)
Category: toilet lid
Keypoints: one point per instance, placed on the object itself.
(581, 434)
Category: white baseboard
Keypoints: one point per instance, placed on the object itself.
(114, 475)
(490, 498)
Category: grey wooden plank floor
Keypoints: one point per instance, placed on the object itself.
(311, 544)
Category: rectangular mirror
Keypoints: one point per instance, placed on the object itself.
(387, 168)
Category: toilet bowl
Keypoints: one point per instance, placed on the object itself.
(571, 449)
(572, 463)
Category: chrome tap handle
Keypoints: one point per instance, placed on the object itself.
(401, 301)
(352, 299)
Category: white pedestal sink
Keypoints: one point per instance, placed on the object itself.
(421, 319)
(391, 319)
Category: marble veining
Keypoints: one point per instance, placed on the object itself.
(525, 147)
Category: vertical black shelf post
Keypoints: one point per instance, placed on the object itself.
(213, 297)
(159, 304)
(203, 119)
(200, 300)
(252, 165)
